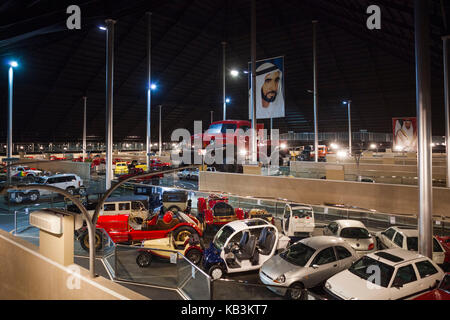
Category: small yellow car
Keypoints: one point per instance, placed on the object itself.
(121, 168)
(142, 166)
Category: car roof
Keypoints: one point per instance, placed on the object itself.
(239, 225)
(296, 206)
(408, 232)
(403, 255)
(320, 242)
(350, 223)
(60, 175)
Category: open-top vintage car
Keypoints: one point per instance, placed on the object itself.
(260, 213)
(191, 248)
(128, 222)
(216, 211)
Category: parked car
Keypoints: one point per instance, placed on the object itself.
(183, 174)
(306, 264)
(354, 232)
(121, 168)
(390, 274)
(408, 239)
(68, 181)
(298, 221)
(139, 171)
(260, 213)
(445, 243)
(26, 173)
(194, 175)
(242, 245)
(215, 211)
(176, 200)
(440, 293)
(190, 248)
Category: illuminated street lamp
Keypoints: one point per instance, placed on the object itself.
(349, 103)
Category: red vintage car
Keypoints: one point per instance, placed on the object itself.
(440, 293)
(216, 211)
(122, 230)
(55, 158)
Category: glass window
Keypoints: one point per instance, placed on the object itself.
(398, 240)
(342, 253)
(228, 126)
(325, 256)
(124, 206)
(333, 227)
(389, 233)
(405, 275)
(109, 207)
(51, 180)
(287, 212)
(222, 236)
(365, 267)
(244, 128)
(425, 268)
(355, 233)
(436, 246)
(298, 254)
(412, 243)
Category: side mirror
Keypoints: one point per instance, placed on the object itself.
(315, 266)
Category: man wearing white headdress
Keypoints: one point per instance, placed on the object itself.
(405, 136)
(269, 92)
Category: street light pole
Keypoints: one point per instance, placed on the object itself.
(9, 145)
(149, 89)
(224, 44)
(212, 112)
(84, 128)
(160, 137)
(349, 127)
(316, 115)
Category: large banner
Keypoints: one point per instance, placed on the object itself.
(405, 134)
(269, 88)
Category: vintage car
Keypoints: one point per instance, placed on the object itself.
(400, 274)
(215, 211)
(298, 221)
(354, 232)
(306, 264)
(121, 168)
(139, 171)
(190, 248)
(408, 239)
(122, 230)
(176, 200)
(440, 293)
(242, 245)
(260, 213)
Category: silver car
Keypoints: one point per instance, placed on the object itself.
(354, 232)
(306, 264)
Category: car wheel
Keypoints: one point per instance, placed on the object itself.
(216, 272)
(82, 191)
(195, 256)
(296, 291)
(144, 259)
(71, 190)
(84, 240)
(182, 233)
(34, 196)
(19, 197)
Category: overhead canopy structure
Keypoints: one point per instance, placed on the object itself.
(375, 69)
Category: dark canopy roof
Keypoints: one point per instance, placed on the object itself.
(58, 66)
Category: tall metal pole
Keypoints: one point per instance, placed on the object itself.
(84, 128)
(447, 106)
(349, 127)
(316, 100)
(160, 137)
(224, 45)
(212, 116)
(423, 98)
(109, 100)
(149, 89)
(253, 146)
(9, 145)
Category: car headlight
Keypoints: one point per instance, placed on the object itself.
(280, 279)
(327, 285)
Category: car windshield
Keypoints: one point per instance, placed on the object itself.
(301, 213)
(367, 267)
(412, 243)
(445, 284)
(355, 233)
(221, 128)
(222, 236)
(214, 128)
(298, 254)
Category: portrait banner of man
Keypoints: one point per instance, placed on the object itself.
(269, 89)
(405, 134)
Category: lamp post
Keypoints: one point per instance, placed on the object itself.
(160, 137)
(9, 145)
(149, 89)
(224, 45)
(349, 103)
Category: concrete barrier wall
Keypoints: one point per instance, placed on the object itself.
(27, 275)
(385, 198)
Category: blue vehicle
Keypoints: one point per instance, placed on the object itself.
(242, 245)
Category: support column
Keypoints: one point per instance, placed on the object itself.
(447, 106)
(224, 45)
(149, 89)
(422, 44)
(84, 128)
(253, 146)
(316, 99)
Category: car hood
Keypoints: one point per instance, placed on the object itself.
(277, 266)
(349, 286)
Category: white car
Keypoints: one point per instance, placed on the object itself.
(354, 232)
(408, 239)
(184, 174)
(298, 221)
(242, 245)
(391, 274)
(23, 171)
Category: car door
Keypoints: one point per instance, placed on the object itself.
(428, 275)
(438, 252)
(345, 258)
(404, 283)
(323, 266)
(386, 238)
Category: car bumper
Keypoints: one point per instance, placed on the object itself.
(271, 285)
